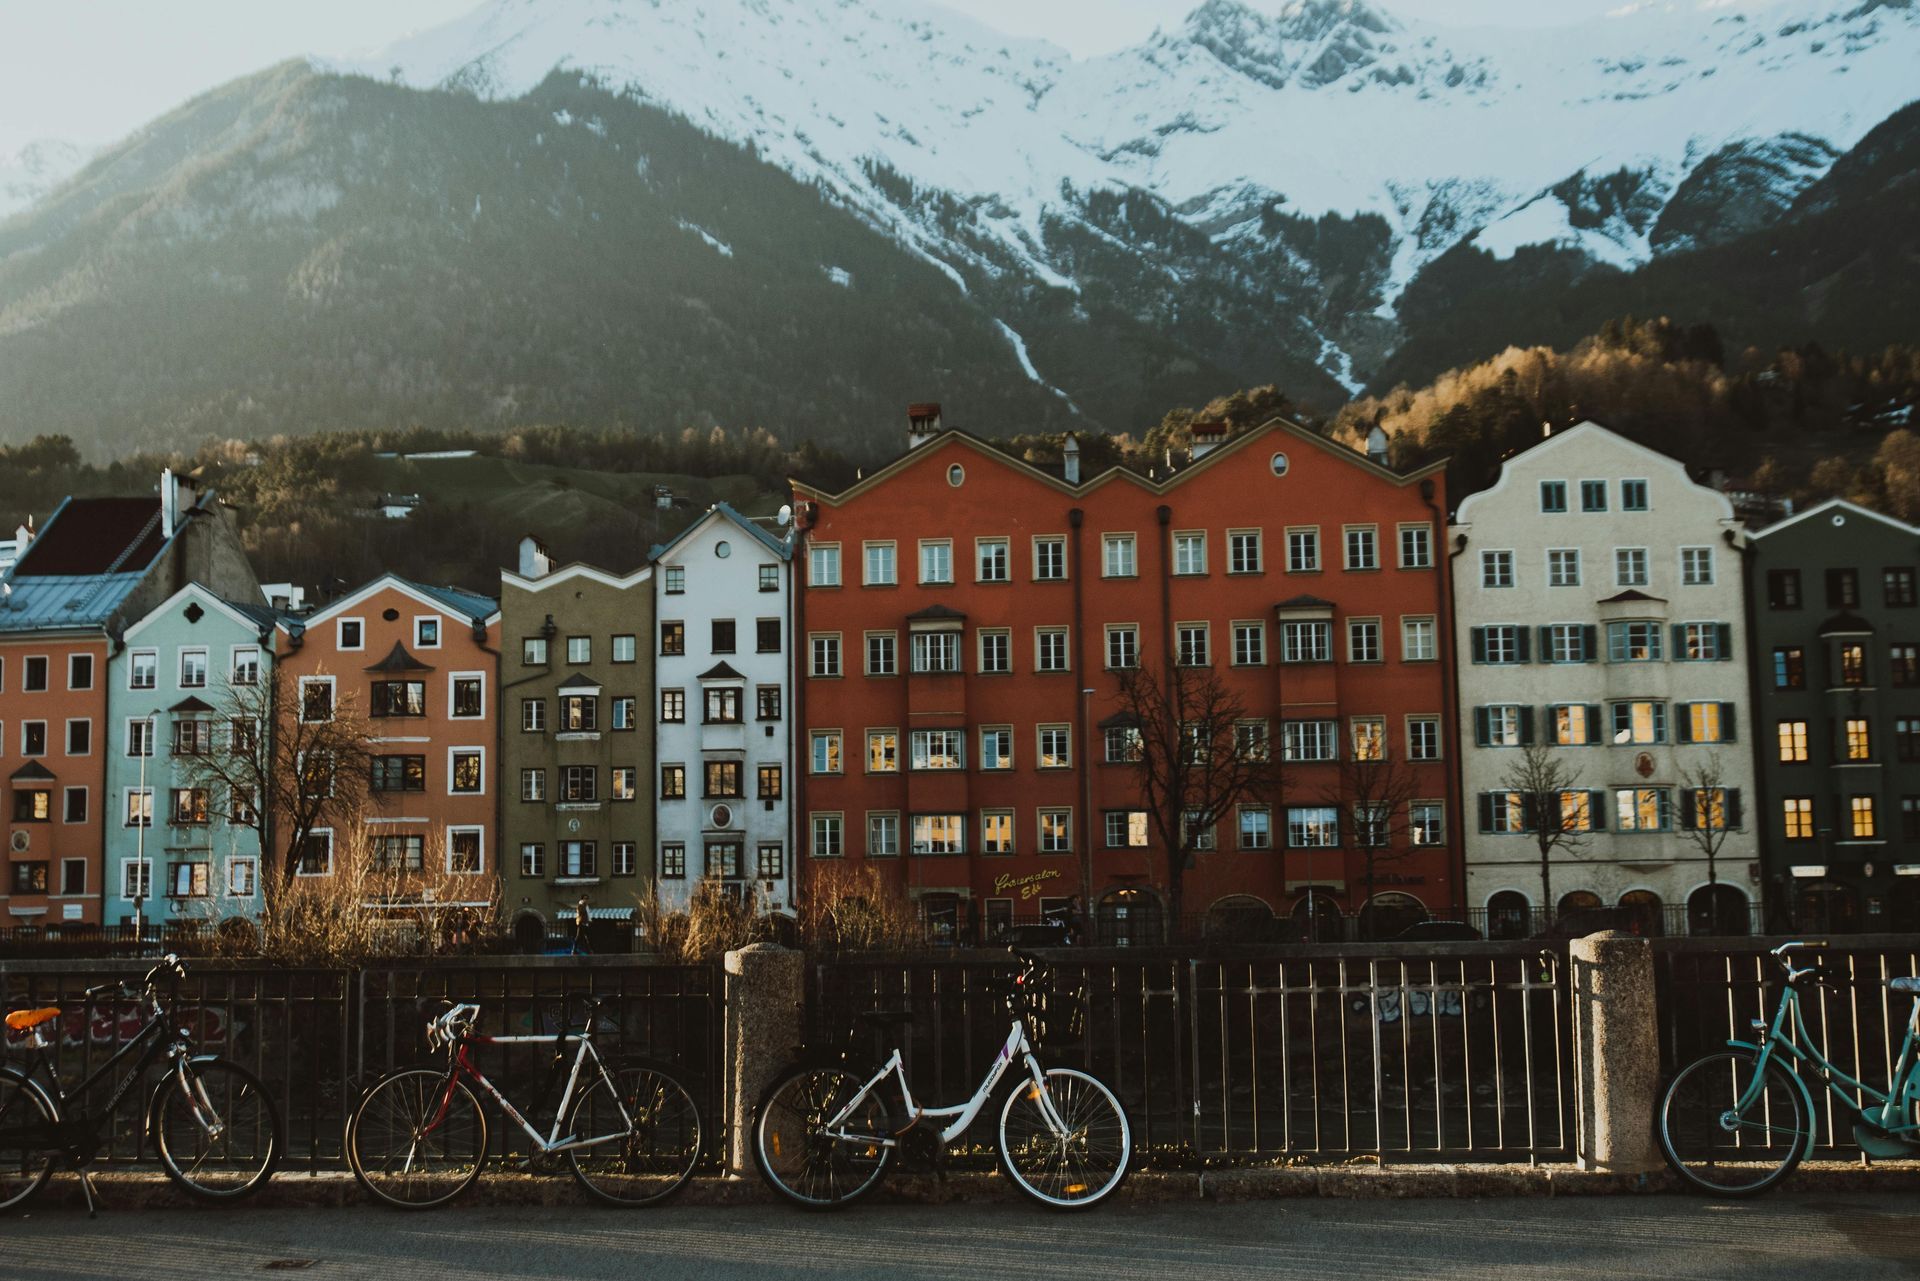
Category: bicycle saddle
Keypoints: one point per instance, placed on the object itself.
(21, 1020)
(887, 1018)
(1909, 984)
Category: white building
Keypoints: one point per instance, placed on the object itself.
(1598, 614)
(722, 736)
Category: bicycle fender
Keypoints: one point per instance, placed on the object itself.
(27, 1083)
(1806, 1096)
(1743, 1045)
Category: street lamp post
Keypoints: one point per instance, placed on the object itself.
(143, 881)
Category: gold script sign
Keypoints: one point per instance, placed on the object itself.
(1028, 885)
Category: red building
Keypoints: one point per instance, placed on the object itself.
(965, 617)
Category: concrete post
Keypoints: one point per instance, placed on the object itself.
(766, 990)
(1616, 1052)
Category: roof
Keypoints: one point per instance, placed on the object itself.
(1580, 431)
(1120, 720)
(58, 601)
(95, 536)
(399, 660)
(471, 605)
(579, 680)
(936, 611)
(720, 671)
(1842, 505)
(1631, 595)
(33, 771)
(778, 546)
(243, 614)
(1846, 624)
(191, 703)
(1304, 602)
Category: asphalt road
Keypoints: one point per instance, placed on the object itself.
(1661, 1238)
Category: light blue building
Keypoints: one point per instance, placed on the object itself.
(180, 850)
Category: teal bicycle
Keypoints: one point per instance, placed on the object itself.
(1737, 1121)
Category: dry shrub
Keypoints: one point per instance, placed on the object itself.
(852, 908)
(713, 922)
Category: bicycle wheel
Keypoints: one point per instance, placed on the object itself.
(1079, 1163)
(417, 1139)
(656, 1135)
(26, 1120)
(216, 1128)
(1725, 1152)
(796, 1155)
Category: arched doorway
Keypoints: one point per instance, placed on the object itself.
(1131, 918)
(1718, 909)
(1240, 918)
(1387, 915)
(529, 933)
(1827, 907)
(1317, 919)
(1509, 915)
(1579, 901)
(1644, 910)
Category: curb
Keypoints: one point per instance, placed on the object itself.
(139, 1190)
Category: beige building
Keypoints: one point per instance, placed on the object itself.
(1600, 630)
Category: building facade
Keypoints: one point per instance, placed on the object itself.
(576, 759)
(723, 733)
(1600, 623)
(418, 666)
(183, 848)
(1836, 651)
(968, 625)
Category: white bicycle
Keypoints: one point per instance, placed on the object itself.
(823, 1135)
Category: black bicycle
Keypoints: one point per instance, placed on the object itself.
(213, 1125)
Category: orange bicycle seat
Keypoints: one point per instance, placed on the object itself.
(21, 1020)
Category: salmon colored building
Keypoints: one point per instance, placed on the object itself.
(963, 618)
(419, 666)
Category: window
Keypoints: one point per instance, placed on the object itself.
(1423, 738)
(767, 702)
(1418, 640)
(1705, 722)
(1639, 722)
(936, 651)
(673, 782)
(767, 780)
(30, 878)
(1118, 556)
(996, 747)
(1249, 644)
(1056, 831)
(1123, 646)
(1363, 640)
(1853, 664)
(466, 773)
(1859, 739)
(1704, 642)
(936, 561)
(1363, 551)
(1244, 555)
(407, 774)
(1313, 826)
(244, 806)
(939, 833)
(33, 738)
(1797, 811)
(1633, 495)
(823, 565)
(140, 737)
(1050, 646)
(1500, 643)
(1056, 747)
(1567, 643)
(1783, 589)
(139, 806)
(426, 632)
(991, 564)
(1503, 725)
(724, 636)
(407, 853)
(1123, 744)
(673, 638)
(996, 652)
(469, 696)
(1251, 742)
(825, 649)
(1426, 822)
(1416, 547)
(192, 737)
(465, 851)
(533, 860)
(883, 658)
(1630, 566)
(80, 671)
(1860, 820)
(533, 715)
(1903, 666)
(79, 738)
(624, 780)
(673, 860)
(1634, 643)
(769, 582)
(1563, 567)
(187, 879)
(879, 569)
(1792, 737)
(1256, 827)
(1789, 667)
(32, 806)
(673, 706)
(1191, 645)
(938, 749)
(1306, 642)
(1553, 495)
(723, 860)
(1593, 495)
(766, 636)
(33, 678)
(143, 666)
(721, 780)
(1696, 566)
(1369, 739)
(825, 751)
(996, 832)
(1049, 559)
(193, 669)
(1303, 551)
(722, 705)
(533, 786)
(883, 835)
(1896, 581)
(1643, 809)
(136, 878)
(245, 668)
(675, 579)
(398, 698)
(316, 855)
(242, 875)
(1496, 569)
(533, 651)
(351, 633)
(1309, 740)
(1843, 588)
(883, 751)
(73, 807)
(770, 862)
(1189, 553)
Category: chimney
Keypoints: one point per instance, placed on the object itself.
(1377, 445)
(535, 560)
(22, 536)
(663, 496)
(1070, 459)
(1546, 429)
(1207, 437)
(923, 423)
(169, 503)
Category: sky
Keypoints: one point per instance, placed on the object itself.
(92, 71)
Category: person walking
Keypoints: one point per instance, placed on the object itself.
(581, 915)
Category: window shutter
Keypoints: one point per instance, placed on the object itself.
(1482, 728)
(1733, 807)
(1726, 641)
(1597, 807)
(1727, 733)
(1688, 821)
(1596, 732)
(1683, 723)
(1679, 651)
(1479, 643)
(1526, 727)
(1486, 811)
(1589, 643)
(1530, 811)
(1546, 643)
(1523, 640)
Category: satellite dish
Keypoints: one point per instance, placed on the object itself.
(786, 515)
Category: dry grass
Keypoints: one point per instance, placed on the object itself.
(713, 923)
(853, 908)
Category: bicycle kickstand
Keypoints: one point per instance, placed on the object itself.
(90, 1192)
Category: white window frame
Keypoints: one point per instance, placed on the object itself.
(453, 677)
(1056, 542)
(868, 575)
(1372, 542)
(1408, 622)
(824, 555)
(1119, 556)
(340, 634)
(452, 754)
(333, 699)
(206, 666)
(298, 870)
(133, 667)
(1189, 548)
(1706, 554)
(1554, 577)
(936, 545)
(981, 546)
(479, 830)
(439, 630)
(1236, 539)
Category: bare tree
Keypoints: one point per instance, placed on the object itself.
(1198, 753)
(1545, 789)
(1372, 790)
(285, 761)
(1708, 817)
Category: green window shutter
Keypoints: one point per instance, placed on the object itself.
(1683, 723)
(1526, 727)
(1589, 643)
(1688, 816)
(1596, 732)
(1486, 811)
(1733, 808)
(1478, 641)
(1523, 642)
(1679, 642)
(1482, 727)
(1725, 631)
(1727, 732)
(1597, 806)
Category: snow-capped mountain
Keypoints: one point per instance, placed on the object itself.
(1662, 126)
(36, 169)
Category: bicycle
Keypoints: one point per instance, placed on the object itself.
(629, 1130)
(215, 1128)
(823, 1137)
(1737, 1121)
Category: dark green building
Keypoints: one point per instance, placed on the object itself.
(1836, 635)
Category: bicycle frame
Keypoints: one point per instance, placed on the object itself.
(1799, 1046)
(463, 1067)
(71, 1133)
(964, 1114)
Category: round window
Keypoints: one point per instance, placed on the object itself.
(1279, 464)
(955, 475)
(1838, 520)
(723, 549)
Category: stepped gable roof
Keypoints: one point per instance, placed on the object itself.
(399, 660)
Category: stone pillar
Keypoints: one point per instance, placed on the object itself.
(766, 993)
(1616, 1052)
